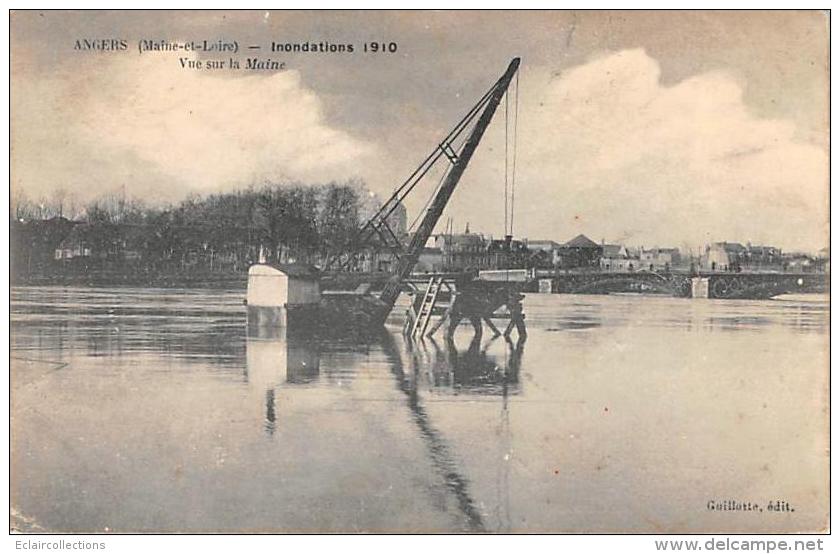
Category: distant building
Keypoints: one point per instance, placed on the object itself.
(473, 251)
(463, 251)
(580, 252)
(76, 244)
(398, 220)
(105, 244)
(734, 256)
(374, 260)
(659, 259)
(798, 262)
(616, 257)
(33, 243)
(762, 258)
(508, 253)
(89, 240)
(543, 245)
(542, 253)
(724, 256)
(824, 260)
(105, 241)
(430, 261)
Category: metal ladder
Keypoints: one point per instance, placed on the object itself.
(421, 322)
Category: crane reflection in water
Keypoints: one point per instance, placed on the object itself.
(277, 360)
(473, 370)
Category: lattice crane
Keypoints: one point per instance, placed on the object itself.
(472, 127)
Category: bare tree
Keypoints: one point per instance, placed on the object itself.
(21, 207)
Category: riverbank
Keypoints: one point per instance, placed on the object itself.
(203, 280)
(160, 280)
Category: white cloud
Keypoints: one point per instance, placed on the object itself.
(606, 149)
(162, 130)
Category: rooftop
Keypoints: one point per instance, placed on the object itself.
(614, 250)
(582, 241)
(731, 246)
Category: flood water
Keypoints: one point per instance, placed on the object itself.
(153, 410)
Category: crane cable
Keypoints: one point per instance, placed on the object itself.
(515, 135)
(510, 162)
(507, 140)
(510, 157)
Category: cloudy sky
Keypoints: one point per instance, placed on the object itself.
(649, 128)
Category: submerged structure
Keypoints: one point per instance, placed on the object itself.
(296, 296)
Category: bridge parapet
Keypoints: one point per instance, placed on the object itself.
(764, 285)
(720, 285)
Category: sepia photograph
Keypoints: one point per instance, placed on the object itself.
(419, 272)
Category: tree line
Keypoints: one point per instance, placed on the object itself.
(288, 221)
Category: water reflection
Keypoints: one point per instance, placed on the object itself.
(439, 450)
(448, 368)
(474, 371)
(470, 371)
(385, 434)
(274, 357)
(737, 316)
(270, 415)
(184, 324)
(805, 313)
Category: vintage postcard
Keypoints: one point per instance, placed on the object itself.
(419, 272)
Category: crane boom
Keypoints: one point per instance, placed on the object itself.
(459, 161)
